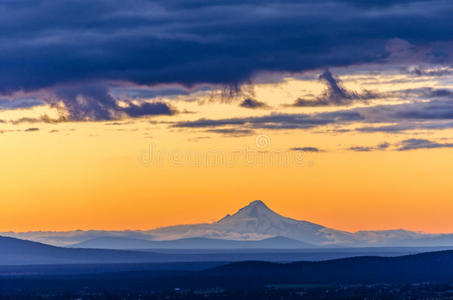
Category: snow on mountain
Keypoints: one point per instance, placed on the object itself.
(255, 222)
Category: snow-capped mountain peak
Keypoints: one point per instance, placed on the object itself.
(254, 210)
(255, 221)
(258, 219)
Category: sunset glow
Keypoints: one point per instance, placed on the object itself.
(144, 173)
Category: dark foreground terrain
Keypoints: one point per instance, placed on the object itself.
(426, 275)
(291, 292)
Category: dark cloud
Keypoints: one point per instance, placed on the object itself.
(419, 115)
(31, 129)
(147, 92)
(41, 119)
(148, 109)
(405, 145)
(95, 102)
(232, 132)
(406, 126)
(422, 93)
(278, 121)
(19, 103)
(432, 113)
(206, 123)
(387, 129)
(53, 44)
(415, 144)
(382, 146)
(88, 102)
(252, 103)
(335, 94)
(433, 110)
(307, 149)
(441, 93)
(121, 123)
(436, 72)
(360, 148)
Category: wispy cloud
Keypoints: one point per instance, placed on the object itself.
(335, 94)
(232, 132)
(404, 145)
(415, 144)
(252, 103)
(277, 121)
(40, 119)
(433, 72)
(307, 149)
(379, 147)
(31, 129)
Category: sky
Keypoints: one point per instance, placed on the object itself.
(137, 114)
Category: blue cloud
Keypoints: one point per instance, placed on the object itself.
(19, 103)
(415, 144)
(50, 42)
(148, 109)
(277, 121)
(381, 146)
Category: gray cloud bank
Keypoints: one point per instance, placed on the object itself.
(70, 46)
(434, 111)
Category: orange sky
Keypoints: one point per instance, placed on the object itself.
(91, 175)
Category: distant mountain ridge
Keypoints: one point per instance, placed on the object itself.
(121, 243)
(21, 252)
(253, 222)
(14, 252)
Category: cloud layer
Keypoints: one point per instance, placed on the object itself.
(74, 51)
(50, 42)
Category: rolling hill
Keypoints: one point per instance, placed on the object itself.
(424, 267)
(15, 251)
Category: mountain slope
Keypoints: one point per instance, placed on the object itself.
(253, 222)
(257, 221)
(67, 238)
(15, 251)
(190, 243)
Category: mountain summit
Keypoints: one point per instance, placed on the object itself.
(256, 221)
(255, 210)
